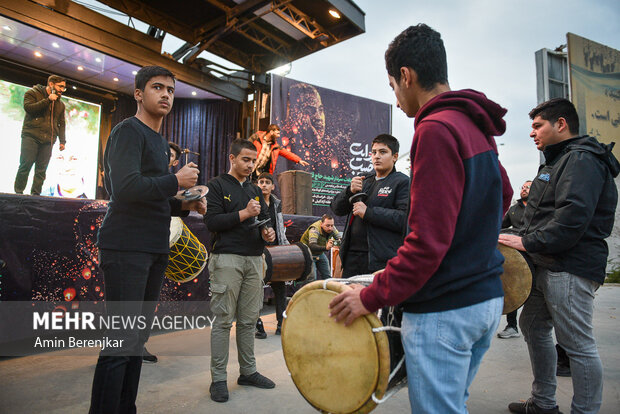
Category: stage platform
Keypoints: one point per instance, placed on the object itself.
(54, 383)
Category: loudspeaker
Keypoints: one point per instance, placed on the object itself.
(296, 192)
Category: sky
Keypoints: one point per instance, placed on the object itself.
(490, 45)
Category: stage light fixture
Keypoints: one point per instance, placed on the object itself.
(74, 87)
(334, 14)
(98, 60)
(134, 72)
(80, 68)
(38, 54)
(56, 45)
(193, 93)
(115, 79)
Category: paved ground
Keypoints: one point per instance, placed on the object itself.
(57, 383)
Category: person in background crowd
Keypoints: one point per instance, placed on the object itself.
(513, 222)
(319, 237)
(266, 184)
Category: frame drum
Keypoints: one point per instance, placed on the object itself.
(337, 369)
(516, 279)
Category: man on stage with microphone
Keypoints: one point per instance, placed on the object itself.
(377, 207)
(44, 121)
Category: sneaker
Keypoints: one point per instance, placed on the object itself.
(530, 407)
(260, 330)
(256, 380)
(509, 332)
(279, 330)
(219, 391)
(147, 356)
(562, 370)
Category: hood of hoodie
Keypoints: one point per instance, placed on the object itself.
(602, 151)
(486, 114)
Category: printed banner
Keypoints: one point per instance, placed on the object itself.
(331, 130)
(595, 88)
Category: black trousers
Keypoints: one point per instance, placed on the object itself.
(132, 284)
(32, 152)
(279, 292)
(356, 263)
(511, 319)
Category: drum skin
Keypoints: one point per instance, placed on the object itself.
(516, 279)
(335, 368)
(188, 257)
(287, 262)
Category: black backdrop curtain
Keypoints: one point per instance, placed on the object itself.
(204, 126)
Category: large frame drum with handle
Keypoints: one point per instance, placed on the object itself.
(337, 369)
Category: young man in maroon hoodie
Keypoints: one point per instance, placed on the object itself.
(446, 275)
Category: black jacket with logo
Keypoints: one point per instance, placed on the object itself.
(571, 207)
(38, 122)
(226, 197)
(385, 217)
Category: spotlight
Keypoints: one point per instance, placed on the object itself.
(115, 79)
(74, 87)
(98, 60)
(193, 93)
(38, 54)
(334, 14)
(7, 28)
(56, 45)
(134, 72)
(80, 68)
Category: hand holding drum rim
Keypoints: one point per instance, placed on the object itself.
(188, 175)
(348, 306)
(511, 240)
(356, 183)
